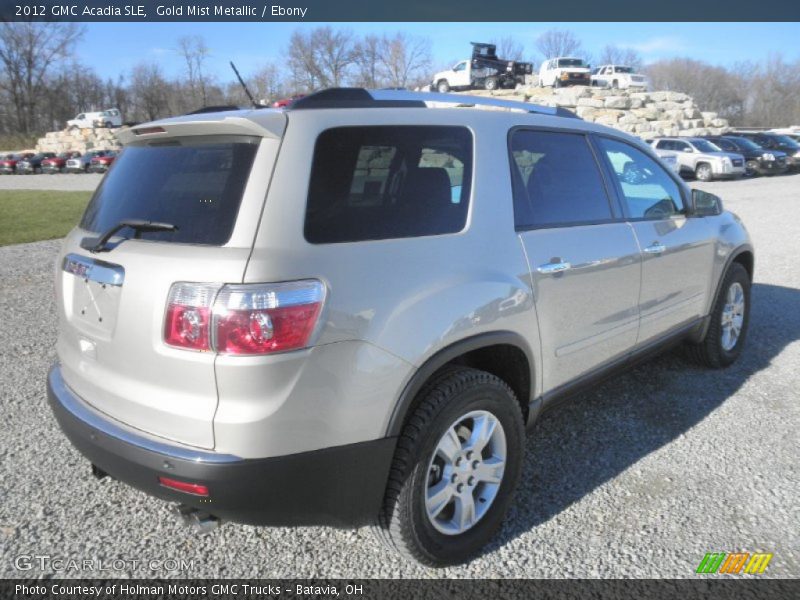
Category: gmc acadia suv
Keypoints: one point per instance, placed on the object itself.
(347, 312)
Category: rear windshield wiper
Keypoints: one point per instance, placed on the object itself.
(138, 225)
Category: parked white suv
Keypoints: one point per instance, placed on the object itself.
(701, 158)
(346, 312)
(618, 77)
(562, 71)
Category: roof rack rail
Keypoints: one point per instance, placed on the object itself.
(392, 98)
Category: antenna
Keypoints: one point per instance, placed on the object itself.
(244, 87)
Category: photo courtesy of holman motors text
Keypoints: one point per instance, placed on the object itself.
(341, 299)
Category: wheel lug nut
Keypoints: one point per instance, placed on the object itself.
(454, 478)
(475, 464)
(460, 488)
(458, 462)
(469, 455)
(471, 481)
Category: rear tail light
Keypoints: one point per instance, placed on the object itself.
(188, 320)
(247, 319)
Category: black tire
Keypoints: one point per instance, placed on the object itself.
(703, 172)
(751, 168)
(491, 83)
(403, 523)
(615, 85)
(710, 351)
(37, 170)
(443, 86)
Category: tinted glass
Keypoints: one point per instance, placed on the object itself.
(556, 180)
(745, 143)
(705, 146)
(373, 183)
(194, 185)
(647, 189)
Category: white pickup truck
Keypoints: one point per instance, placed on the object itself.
(485, 70)
(618, 77)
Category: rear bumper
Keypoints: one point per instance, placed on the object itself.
(340, 486)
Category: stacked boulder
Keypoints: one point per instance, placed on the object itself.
(79, 140)
(645, 114)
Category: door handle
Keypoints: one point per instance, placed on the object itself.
(656, 248)
(553, 267)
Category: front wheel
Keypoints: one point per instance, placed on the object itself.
(703, 172)
(455, 469)
(730, 317)
(443, 86)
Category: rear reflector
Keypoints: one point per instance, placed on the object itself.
(184, 486)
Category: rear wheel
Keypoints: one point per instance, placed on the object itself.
(730, 317)
(455, 469)
(491, 83)
(703, 172)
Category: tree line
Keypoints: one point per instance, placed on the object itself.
(42, 84)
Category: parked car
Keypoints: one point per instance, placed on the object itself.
(618, 77)
(758, 160)
(8, 163)
(108, 118)
(58, 163)
(284, 102)
(33, 164)
(84, 120)
(667, 157)
(702, 159)
(82, 163)
(229, 338)
(101, 164)
(562, 71)
(776, 141)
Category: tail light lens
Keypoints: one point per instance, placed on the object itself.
(247, 319)
(264, 318)
(188, 320)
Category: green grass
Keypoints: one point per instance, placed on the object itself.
(31, 216)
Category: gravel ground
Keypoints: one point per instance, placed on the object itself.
(639, 478)
(62, 182)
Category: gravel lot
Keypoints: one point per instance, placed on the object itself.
(62, 182)
(639, 478)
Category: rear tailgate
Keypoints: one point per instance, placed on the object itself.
(112, 303)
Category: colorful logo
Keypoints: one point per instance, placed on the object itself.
(738, 562)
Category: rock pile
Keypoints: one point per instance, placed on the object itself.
(79, 140)
(645, 114)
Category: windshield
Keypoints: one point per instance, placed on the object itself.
(570, 62)
(195, 184)
(745, 143)
(705, 146)
(623, 70)
(786, 140)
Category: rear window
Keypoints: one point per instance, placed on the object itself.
(194, 184)
(373, 183)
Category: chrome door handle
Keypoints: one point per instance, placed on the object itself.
(655, 248)
(553, 267)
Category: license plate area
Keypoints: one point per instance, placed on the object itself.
(92, 289)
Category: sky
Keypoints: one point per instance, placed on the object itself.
(114, 48)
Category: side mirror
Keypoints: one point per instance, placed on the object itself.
(705, 204)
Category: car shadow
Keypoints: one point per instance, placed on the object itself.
(593, 437)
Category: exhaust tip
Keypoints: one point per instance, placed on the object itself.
(200, 521)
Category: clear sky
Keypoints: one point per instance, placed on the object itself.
(114, 48)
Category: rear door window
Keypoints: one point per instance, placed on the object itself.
(194, 184)
(557, 181)
(372, 183)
